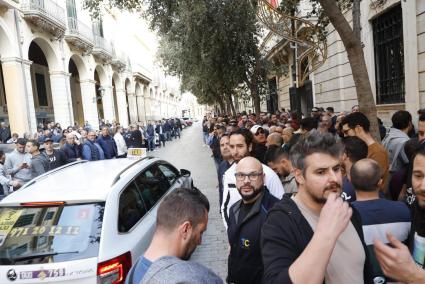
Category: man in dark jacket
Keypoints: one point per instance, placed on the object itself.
(71, 148)
(398, 261)
(159, 129)
(167, 130)
(107, 143)
(55, 158)
(315, 236)
(245, 221)
(4, 132)
(136, 138)
(150, 136)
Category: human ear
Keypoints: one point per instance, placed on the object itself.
(185, 229)
(299, 176)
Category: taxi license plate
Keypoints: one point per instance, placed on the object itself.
(42, 274)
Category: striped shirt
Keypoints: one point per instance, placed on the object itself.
(380, 216)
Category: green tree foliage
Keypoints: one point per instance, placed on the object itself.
(212, 45)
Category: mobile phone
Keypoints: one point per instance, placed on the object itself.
(25, 165)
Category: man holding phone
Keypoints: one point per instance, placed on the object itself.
(17, 164)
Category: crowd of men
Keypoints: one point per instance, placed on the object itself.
(320, 198)
(51, 147)
(304, 200)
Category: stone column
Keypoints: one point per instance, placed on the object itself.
(140, 107)
(62, 107)
(132, 107)
(122, 107)
(411, 74)
(88, 98)
(19, 96)
(108, 104)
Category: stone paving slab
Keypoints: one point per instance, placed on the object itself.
(189, 153)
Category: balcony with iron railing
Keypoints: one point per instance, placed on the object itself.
(102, 48)
(79, 35)
(119, 60)
(46, 15)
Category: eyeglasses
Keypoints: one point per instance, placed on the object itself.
(260, 131)
(252, 176)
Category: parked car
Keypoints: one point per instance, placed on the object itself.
(86, 222)
(188, 121)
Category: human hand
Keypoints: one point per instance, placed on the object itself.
(396, 261)
(334, 217)
(15, 183)
(23, 166)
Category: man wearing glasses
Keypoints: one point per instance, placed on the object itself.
(357, 124)
(246, 218)
(240, 144)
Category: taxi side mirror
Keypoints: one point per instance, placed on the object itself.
(184, 173)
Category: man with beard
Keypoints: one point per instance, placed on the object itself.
(17, 164)
(225, 163)
(278, 160)
(240, 147)
(314, 236)
(396, 260)
(181, 220)
(246, 218)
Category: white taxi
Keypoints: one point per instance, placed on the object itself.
(86, 222)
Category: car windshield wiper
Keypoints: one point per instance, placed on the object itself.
(39, 255)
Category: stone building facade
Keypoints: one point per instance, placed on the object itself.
(393, 35)
(58, 64)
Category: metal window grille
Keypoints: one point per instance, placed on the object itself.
(389, 57)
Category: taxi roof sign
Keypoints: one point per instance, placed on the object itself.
(137, 153)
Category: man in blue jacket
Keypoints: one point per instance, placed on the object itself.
(91, 150)
(107, 143)
(246, 218)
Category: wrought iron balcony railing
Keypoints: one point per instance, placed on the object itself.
(102, 48)
(119, 59)
(46, 15)
(79, 35)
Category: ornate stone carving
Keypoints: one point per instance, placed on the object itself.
(375, 4)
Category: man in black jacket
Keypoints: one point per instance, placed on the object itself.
(407, 264)
(72, 148)
(245, 220)
(314, 236)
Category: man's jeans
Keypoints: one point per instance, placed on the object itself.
(151, 143)
(177, 132)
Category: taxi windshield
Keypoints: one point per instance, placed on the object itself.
(32, 235)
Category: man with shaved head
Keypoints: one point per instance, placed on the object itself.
(378, 215)
(246, 218)
(274, 139)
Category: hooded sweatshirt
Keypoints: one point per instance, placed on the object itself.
(11, 165)
(394, 143)
(169, 269)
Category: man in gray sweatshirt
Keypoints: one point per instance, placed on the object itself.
(18, 163)
(181, 220)
(39, 163)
